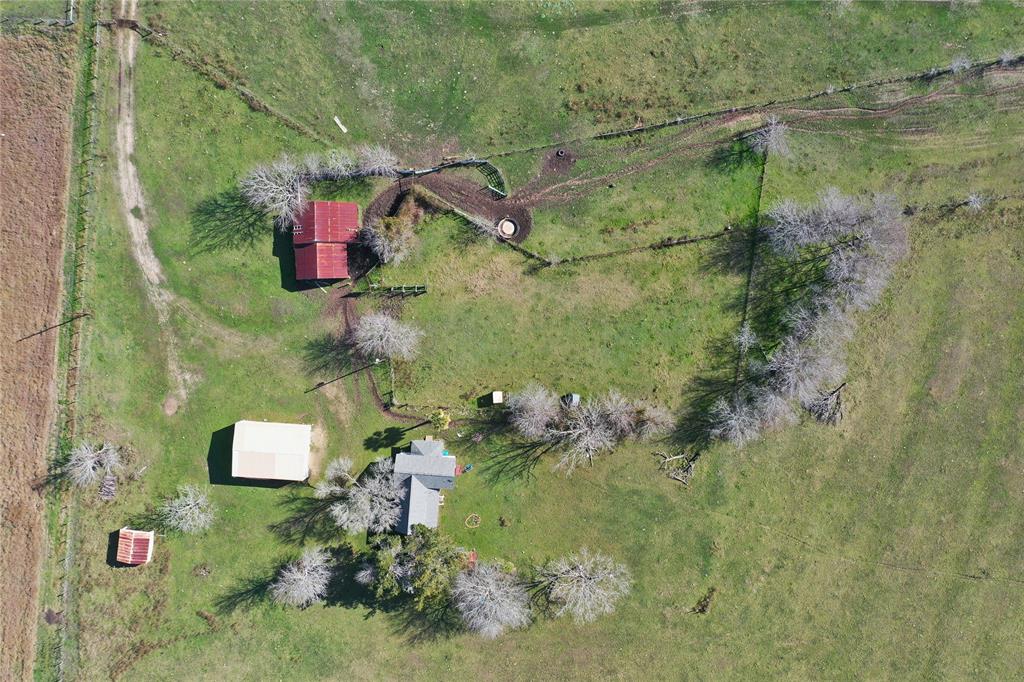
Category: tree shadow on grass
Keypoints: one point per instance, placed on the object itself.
(307, 518)
(515, 461)
(247, 592)
(432, 624)
(226, 221)
(729, 159)
(328, 354)
(385, 439)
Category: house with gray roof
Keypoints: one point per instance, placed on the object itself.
(424, 472)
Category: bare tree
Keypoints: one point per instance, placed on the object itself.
(381, 336)
(621, 415)
(336, 479)
(799, 371)
(735, 421)
(373, 502)
(584, 585)
(491, 601)
(304, 581)
(745, 338)
(388, 246)
(88, 462)
(338, 164)
(190, 512)
(655, 421)
(772, 409)
(975, 202)
(960, 64)
(366, 575)
(828, 406)
(278, 188)
(790, 228)
(377, 160)
(584, 432)
(772, 138)
(532, 411)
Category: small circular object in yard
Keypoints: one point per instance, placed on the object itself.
(560, 153)
(507, 228)
(473, 521)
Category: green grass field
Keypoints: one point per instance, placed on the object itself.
(887, 547)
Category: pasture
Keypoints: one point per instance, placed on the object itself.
(886, 547)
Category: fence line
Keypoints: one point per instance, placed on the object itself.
(928, 75)
(85, 185)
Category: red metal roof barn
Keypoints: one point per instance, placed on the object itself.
(326, 221)
(321, 236)
(321, 261)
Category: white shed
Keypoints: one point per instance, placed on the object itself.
(271, 450)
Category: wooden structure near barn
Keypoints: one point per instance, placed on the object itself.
(321, 236)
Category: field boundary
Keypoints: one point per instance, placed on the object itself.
(81, 221)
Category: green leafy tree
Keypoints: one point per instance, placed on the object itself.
(422, 565)
(440, 419)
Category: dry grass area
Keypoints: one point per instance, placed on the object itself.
(37, 79)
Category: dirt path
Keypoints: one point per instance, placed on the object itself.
(133, 206)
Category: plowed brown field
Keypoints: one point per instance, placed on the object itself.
(37, 82)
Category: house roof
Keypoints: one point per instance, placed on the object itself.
(135, 547)
(271, 450)
(321, 261)
(421, 506)
(427, 459)
(326, 221)
(428, 448)
(424, 470)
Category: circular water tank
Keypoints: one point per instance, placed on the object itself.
(507, 228)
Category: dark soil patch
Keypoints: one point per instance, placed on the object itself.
(558, 162)
(461, 192)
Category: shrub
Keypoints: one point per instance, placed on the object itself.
(190, 512)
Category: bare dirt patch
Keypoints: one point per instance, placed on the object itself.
(558, 162)
(459, 191)
(37, 82)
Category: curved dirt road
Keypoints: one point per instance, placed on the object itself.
(133, 207)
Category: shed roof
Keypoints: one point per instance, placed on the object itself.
(421, 506)
(327, 221)
(271, 450)
(135, 547)
(321, 261)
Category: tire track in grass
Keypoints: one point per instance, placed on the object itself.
(133, 205)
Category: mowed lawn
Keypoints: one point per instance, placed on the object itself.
(886, 547)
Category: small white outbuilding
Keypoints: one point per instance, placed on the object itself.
(271, 451)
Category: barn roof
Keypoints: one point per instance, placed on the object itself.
(327, 221)
(135, 547)
(321, 261)
(271, 451)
